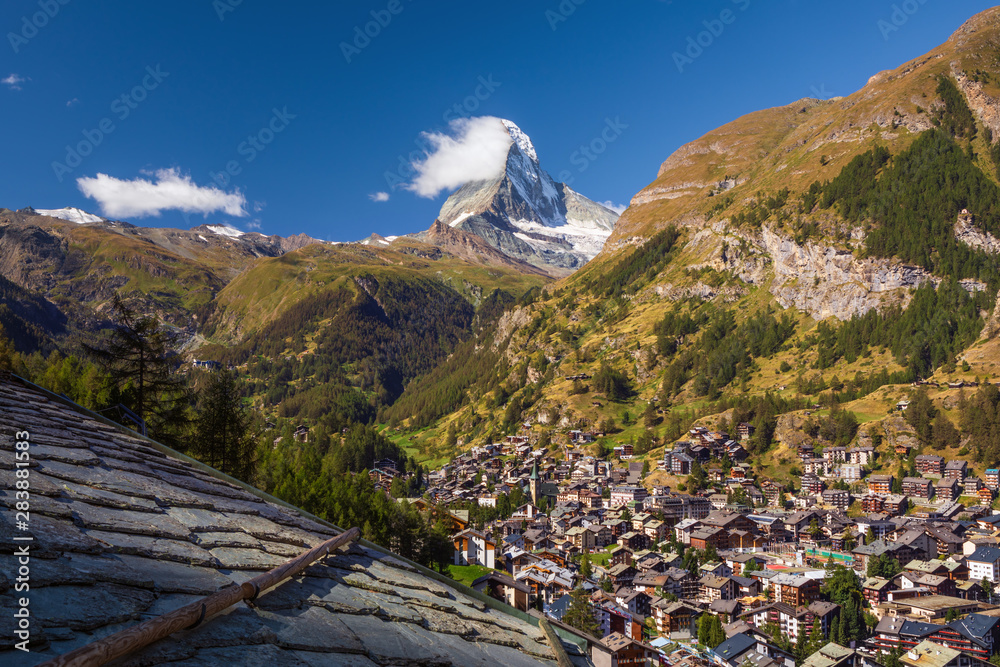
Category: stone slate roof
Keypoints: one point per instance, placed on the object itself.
(123, 532)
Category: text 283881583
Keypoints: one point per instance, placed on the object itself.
(22, 538)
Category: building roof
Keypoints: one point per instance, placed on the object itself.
(929, 654)
(985, 554)
(735, 646)
(126, 530)
(830, 655)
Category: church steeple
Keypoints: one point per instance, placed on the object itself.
(533, 484)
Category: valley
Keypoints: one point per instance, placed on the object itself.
(784, 353)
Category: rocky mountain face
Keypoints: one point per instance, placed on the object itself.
(525, 214)
(706, 184)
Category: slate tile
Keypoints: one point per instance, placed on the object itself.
(40, 505)
(153, 547)
(334, 660)
(88, 607)
(92, 496)
(51, 537)
(41, 485)
(232, 627)
(397, 642)
(127, 521)
(314, 629)
(64, 454)
(231, 558)
(265, 655)
(265, 529)
(201, 520)
(213, 540)
(168, 576)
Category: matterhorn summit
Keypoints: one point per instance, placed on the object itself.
(526, 214)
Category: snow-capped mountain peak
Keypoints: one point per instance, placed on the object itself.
(70, 214)
(522, 140)
(526, 214)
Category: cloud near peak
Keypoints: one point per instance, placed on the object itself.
(473, 149)
(171, 190)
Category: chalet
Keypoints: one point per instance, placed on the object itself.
(676, 618)
(795, 590)
(984, 563)
(474, 548)
(680, 463)
(717, 588)
(624, 452)
(710, 535)
(622, 495)
(956, 470)
(918, 487)
(812, 484)
(835, 454)
(627, 651)
(880, 484)
(876, 590)
(505, 588)
(930, 464)
(634, 541)
(992, 478)
(946, 489)
(851, 472)
(622, 575)
(861, 456)
(837, 498)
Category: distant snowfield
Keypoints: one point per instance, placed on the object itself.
(586, 241)
(225, 230)
(70, 215)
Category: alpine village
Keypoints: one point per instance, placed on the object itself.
(751, 421)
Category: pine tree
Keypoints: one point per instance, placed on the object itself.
(579, 615)
(224, 439)
(585, 569)
(6, 352)
(137, 360)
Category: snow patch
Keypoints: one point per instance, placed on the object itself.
(70, 215)
(457, 221)
(225, 230)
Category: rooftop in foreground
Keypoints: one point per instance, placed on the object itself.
(124, 531)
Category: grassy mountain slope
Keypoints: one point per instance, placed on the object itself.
(795, 256)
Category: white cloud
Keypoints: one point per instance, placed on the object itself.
(139, 198)
(253, 224)
(14, 81)
(617, 208)
(73, 102)
(379, 196)
(474, 150)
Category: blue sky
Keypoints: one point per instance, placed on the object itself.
(172, 92)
